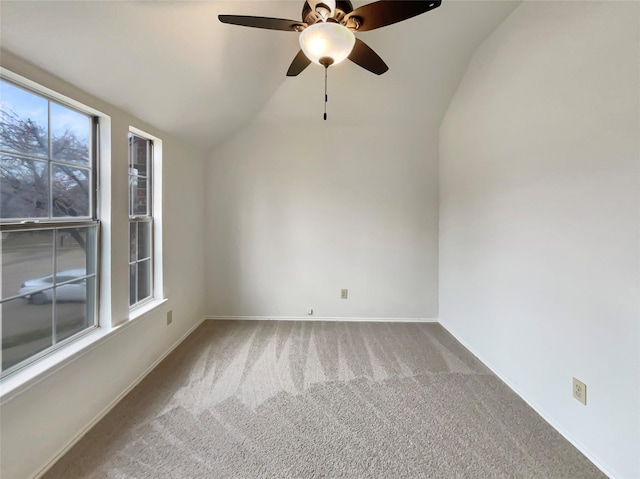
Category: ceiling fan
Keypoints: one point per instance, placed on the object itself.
(328, 27)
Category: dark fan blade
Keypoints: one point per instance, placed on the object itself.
(299, 63)
(387, 12)
(364, 56)
(263, 22)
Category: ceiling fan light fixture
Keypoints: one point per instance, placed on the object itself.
(327, 40)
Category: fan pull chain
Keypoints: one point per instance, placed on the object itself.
(326, 97)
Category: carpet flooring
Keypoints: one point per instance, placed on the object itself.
(286, 399)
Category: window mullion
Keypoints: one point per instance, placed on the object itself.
(151, 256)
(49, 155)
(32, 225)
(149, 177)
(135, 267)
(55, 279)
(93, 148)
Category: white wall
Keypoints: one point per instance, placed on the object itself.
(38, 423)
(539, 217)
(299, 208)
(297, 212)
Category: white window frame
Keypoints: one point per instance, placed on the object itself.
(157, 295)
(30, 370)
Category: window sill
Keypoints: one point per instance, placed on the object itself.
(30, 375)
(145, 308)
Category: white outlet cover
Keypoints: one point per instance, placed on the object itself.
(580, 391)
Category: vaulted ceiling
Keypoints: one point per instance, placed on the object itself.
(175, 66)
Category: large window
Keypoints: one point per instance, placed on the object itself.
(140, 220)
(48, 224)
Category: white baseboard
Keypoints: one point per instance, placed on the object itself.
(322, 318)
(113, 403)
(580, 447)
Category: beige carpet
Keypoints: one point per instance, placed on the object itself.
(276, 399)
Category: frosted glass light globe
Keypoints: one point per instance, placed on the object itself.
(327, 39)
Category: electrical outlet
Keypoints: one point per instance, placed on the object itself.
(344, 293)
(169, 317)
(580, 391)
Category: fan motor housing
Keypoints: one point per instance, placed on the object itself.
(343, 7)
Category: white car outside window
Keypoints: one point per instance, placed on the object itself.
(71, 285)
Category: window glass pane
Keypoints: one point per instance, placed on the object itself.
(133, 298)
(67, 276)
(23, 121)
(130, 153)
(144, 239)
(71, 308)
(133, 184)
(69, 135)
(140, 197)
(24, 188)
(144, 279)
(133, 241)
(70, 191)
(90, 305)
(26, 330)
(91, 245)
(75, 252)
(139, 152)
(27, 262)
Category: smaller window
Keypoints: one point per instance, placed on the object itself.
(141, 221)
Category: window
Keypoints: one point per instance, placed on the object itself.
(141, 221)
(48, 223)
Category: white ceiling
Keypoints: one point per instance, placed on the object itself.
(175, 66)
